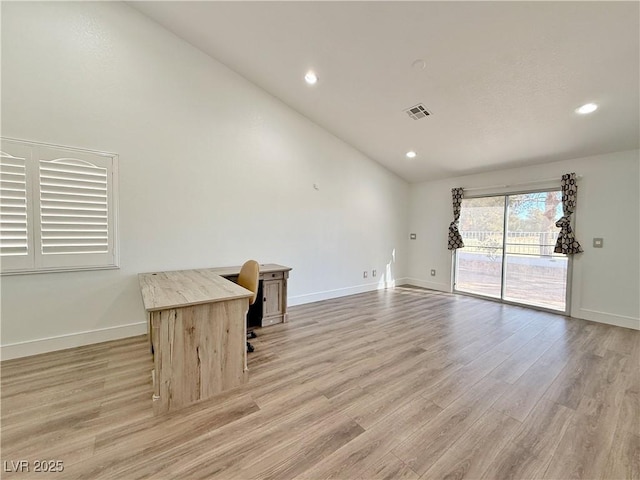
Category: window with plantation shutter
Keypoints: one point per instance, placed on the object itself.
(58, 208)
(14, 232)
(73, 207)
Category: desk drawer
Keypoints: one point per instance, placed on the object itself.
(272, 275)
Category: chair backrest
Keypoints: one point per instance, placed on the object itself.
(248, 278)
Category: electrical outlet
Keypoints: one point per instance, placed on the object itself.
(373, 273)
(433, 272)
(364, 274)
(598, 242)
(412, 236)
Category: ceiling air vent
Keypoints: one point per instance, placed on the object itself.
(417, 112)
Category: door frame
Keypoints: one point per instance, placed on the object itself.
(569, 281)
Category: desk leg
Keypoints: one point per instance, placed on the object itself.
(246, 368)
(149, 332)
(284, 296)
(154, 338)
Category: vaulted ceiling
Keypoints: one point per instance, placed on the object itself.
(502, 80)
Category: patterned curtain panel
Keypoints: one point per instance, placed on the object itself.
(567, 242)
(455, 239)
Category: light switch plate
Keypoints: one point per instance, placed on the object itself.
(598, 242)
(412, 236)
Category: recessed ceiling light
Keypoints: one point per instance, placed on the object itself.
(311, 78)
(411, 154)
(587, 108)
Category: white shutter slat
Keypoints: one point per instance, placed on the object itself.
(13, 200)
(13, 211)
(61, 211)
(12, 251)
(62, 190)
(74, 227)
(72, 182)
(72, 250)
(14, 194)
(12, 177)
(73, 208)
(70, 165)
(72, 220)
(64, 173)
(12, 185)
(88, 202)
(76, 239)
(13, 207)
(9, 217)
(14, 228)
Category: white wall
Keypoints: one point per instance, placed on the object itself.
(212, 171)
(606, 282)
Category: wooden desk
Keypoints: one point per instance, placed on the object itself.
(198, 332)
(273, 280)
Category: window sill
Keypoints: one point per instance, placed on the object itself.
(59, 270)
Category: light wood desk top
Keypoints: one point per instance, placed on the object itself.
(181, 288)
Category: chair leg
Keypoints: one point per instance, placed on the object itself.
(251, 334)
(250, 347)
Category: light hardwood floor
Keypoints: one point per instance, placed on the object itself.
(402, 383)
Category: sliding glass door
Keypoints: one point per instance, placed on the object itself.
(508, 253)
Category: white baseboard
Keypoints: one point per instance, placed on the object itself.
(78, 339)
(441, 287)
(343, 292)
(583, 313)
(608, 318)
(62, 342)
